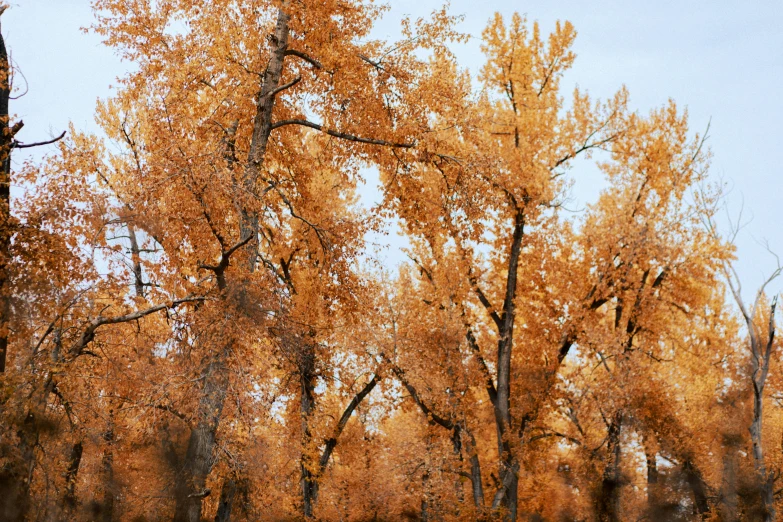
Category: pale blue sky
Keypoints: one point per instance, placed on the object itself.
(723, 60)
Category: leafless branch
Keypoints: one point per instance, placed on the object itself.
(19, 145)
(342, 135)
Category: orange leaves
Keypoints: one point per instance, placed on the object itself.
(520, 361)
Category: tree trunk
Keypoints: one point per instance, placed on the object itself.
(475, 478)
(609, 493)
(506, 497)
(262, 128)
(6, 141)
(729, 496)
(138, 276)
(475, 468)
(191, 488)
(198, 459)
(227, 494)
(107, 462)
(653, 496)
(766, 484)
(698, 488)
(74, 461)
(308, 465)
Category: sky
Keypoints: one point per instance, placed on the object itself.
(722, 60)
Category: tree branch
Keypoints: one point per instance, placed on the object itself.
(342, 135)
(299, 54)
(19, 145)
(332, 441)
(78, 347)
(281, 88)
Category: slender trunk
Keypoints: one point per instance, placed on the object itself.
(307, 464)
(609, 493)
(138, 281)
(331, 443)
(475, 469)
(6, 141)
(653, 496)
(506, 497)
(107, 462)
(262, 128)
(766, 484)
(191, 488)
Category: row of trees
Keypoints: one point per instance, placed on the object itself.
(191, 328)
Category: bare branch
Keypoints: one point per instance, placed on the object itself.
(299, 54)
(342, 135)
(281, 88)
(20, 145)
(357, 399)
(78, 347)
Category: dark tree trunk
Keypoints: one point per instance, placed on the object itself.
(698, 488)
(761, 354)
(109, 487)
(262, 128)
(506, 497)
(307, 464)
(198, 459)
(469, 443)
(227, 494)
(6, 141)
(138, 276)
(475, 477)
(653, 497)
(609, 494)
(191, 487)
(74, 461)
(766, 484)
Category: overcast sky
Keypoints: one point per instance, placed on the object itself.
(722, 60)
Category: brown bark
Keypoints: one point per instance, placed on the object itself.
(262, 128)
(138, 281)
(6, 142)
(191, 487)
(698, 488)
(307, 481)
(107, 463)
(729, 494)
(477, 488)
(74, 461)
(227, 494)
(310, 478)
(198, 458)
(506, 496)
(760, 357)
(608, 502)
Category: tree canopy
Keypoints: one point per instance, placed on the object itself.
(193, 327)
